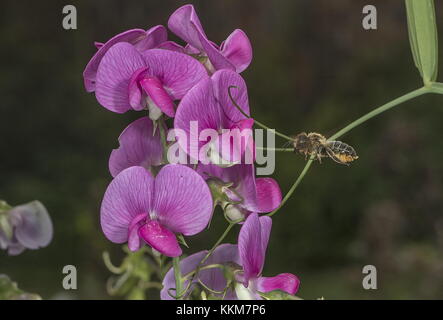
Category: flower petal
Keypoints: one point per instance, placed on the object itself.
(238, 50)
(185, 23)
(15, 248)
(232, 145)
(252, 243)
(177, 71)
(160, 238)
(172, 46)
(154, 37)
(127, 196)
(138, 147)
(114, 74)
(218, 61)
(214, 277)
(154, 89)
(134, 91)
(90, 72)
(199, 106)
(250, 248)
(242, 176)
(183, 201)
(268, 194)
(266, 225)
(286, 282)
(134, 242)
(224, 79)
(33, 226)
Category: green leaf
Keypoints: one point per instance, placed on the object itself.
(423, 37)
(10, 291)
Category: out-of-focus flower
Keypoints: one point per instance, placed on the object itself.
(26, 226)
(138, 206)
(139, 146)
(152, 79)
(209, 107)
(245, 261)
(141, 40)
(235, 53)
(239, 191)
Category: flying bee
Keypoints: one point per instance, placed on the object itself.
(316, 145)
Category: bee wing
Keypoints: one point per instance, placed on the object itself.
(287, 144)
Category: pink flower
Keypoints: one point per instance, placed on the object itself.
(139, 146)
(137, 206)
(208, 106)
(27, 226)
(244, 193)
(141, 40)
(248, 255)
(252, 244)
(153, 79)
(235, 53)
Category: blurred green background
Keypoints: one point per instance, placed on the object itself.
(314, 69)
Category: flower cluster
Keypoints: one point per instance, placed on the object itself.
(154, 201)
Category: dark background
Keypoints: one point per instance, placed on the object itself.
(314, 69)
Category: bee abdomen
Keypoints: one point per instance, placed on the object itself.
(343, 151)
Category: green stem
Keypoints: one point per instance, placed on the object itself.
(255, 121)
(349, 127)
(294, 186)
(381, 109)
(162, 128)
(177, 275)
(222, 237)
(110, 265)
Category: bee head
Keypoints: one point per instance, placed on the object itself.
(301, 141)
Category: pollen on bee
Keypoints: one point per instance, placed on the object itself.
(345, 158)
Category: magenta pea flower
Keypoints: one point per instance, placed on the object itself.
(153, 79)
(137, 206)
(139, 146)
(252, 244)
(141, 40)
(213, 278)
(241, 191)
(235, 53)
(214, 130)
(247, 259)
(26, 226)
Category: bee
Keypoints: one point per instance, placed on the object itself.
(316, 145)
